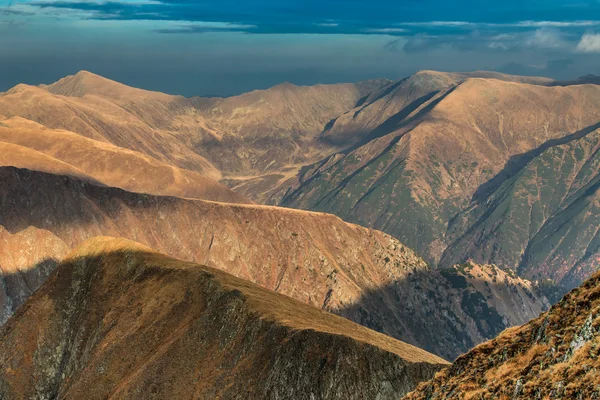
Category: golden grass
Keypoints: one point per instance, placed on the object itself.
(270, 305)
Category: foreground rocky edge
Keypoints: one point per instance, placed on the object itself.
(118, 320)
(555, 356)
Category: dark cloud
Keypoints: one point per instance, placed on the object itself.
(338, 16)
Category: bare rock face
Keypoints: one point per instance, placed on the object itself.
(119, 320)
(554, 356)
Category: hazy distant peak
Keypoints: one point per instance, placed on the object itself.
(87, 83)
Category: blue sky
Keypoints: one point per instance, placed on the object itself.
(227, 46)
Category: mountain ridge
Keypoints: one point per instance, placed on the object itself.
(313, 257)
(118, 319)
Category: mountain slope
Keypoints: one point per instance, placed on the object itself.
(553, 356)
(542, 216)
(33, 146)
(315, 258)
(119, 320)
(449, 310)
(427, 163)
(136, 124)
(416, 158)
(254, 135)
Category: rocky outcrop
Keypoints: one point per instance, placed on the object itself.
(119, 320)
(555, 356)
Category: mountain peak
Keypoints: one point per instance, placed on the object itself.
(84, 83)
(87, 83)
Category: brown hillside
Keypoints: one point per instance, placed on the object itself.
(315, 258)
(117, 320)
(137, 124)
(66, 153)
(435, 157)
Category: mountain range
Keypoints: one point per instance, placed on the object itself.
(454, 165)
(431, 213)
(315, 258)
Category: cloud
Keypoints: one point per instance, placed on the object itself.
(205, 27)
(13, 11)
(386, 30)
(422, 42)
(589, 43)
(335, 16)
(545, 38)
(519, 24)
(555, 24)
(440, 24)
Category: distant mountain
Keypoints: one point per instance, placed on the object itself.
(582, 80)
(119, 320)
(436, 146)
(267, 134)
(26, 144)
(554, 356)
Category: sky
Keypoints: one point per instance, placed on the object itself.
(226, 47)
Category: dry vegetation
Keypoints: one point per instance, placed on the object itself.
(118, 320)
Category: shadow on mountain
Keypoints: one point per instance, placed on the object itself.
(518, 162)
(16, 287)
(442, 312)
(115, 318)
(26, 196)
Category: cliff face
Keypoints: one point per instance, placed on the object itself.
(315, 258)
(554, 356)
(119, 320)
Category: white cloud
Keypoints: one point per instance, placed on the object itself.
(441, 23)
(386, 30)
(519, 24)
(555, 24)
(545, 38)
(589, 43)
(328, 24)
(499, 46)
